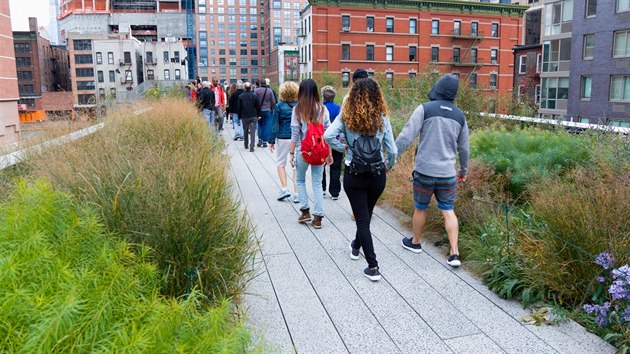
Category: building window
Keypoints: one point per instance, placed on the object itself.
(413, 26)
(591, 8)
(345, 52)
(370, 24)
(493, 81)
(538, 62)
(345, 23)
(166, 56)
(522, 64)
(100, 76)
(556, 55)
(457, 28)
(456, 57)
(178, 74)
(128, 76)
(557, 14)
(494, 56)
(127, 57)
(167, 74)
(22, 47)
(110, 58)
(412, 75)
(622, 44)
(26, 89)
(389, 25)
(369, 55)
(435, 27)
(149, 56)
(85, 85)
(389, 79)
(474, 29)
(620, 88)
(472, 80)
(86, 99)
(78, 59)
(413, 56)
(585, 91)
(435, 54)
(82, 44)
(112, 76)
(553, 89)
(473, 55)
(84, 72)
(588, 46)
(537, 94)
(495, 30)
(99, 58)
(389, 53)
(623, 5)
(176, 56)
(25, 75)
(277, 35)
(345, 79)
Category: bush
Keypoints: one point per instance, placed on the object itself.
(159, 179)
(66, 286)
(529, 154)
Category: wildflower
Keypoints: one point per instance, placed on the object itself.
(600, 312)
(601, 279)
(625, 316)
(620, 288)
(606, 260)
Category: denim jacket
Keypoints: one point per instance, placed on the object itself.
(281, 123)
(386, 137)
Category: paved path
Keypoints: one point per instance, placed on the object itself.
(309, 297)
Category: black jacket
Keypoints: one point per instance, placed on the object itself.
(248, 105)
(205, 97)
(233, 101)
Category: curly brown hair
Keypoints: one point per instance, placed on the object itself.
(289, 91)
(364, 108)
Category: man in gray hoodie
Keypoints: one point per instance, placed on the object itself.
(443, 135)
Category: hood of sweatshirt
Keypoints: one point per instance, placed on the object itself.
(445, 88)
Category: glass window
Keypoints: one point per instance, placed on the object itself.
(620, 88)
(473, 55)
(345, 23)
(166, 56)
(435, 54)
(112, 75)
(457, 28)
(389, 53)
(369, 55)
(389, 79)
(522, 64)
(345, 52)
(127, 56)
(389, 25)
(623, 5)
(167, 74)
(493, 81)
(178, 74)
(82, 44)
(99, 58)
(84, 72)
(622, 44)
(588, 46)
(585, 92)
(495, 30)
(413, 56)
(78, 59)
(101, 77)
(456, 57)
(591, 8)
(370, 24)
(435, 27)
(474, 29)
(413, 26)
(494, 56)
(472, 80)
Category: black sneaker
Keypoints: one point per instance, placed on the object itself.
(454, 261)
(259, 143)
(372, 273)
(354, 253)
(409, 245)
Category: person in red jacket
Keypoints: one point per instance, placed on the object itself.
(219, 104)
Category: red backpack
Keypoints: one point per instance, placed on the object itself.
(314, 147)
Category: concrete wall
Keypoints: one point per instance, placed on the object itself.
(9, 121)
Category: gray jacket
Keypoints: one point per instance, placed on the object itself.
(443, 132)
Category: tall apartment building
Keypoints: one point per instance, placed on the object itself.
(9, 96)
(41, 67)
(469, 39)
(599, 84)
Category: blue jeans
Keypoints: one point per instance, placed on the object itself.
(264, 126)
(208, 114)
(300, 181)
(238, 127)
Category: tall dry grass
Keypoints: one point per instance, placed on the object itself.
(159, 179)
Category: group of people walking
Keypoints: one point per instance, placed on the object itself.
(357, 138)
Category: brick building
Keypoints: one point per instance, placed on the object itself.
(527, 65)
(9, 96)
(469, 39)
(283, 64)
(41, 67)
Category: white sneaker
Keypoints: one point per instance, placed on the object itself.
(283, 194)
(296, 198)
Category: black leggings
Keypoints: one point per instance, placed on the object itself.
(363, 191)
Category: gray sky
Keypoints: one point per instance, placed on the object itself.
(21, 10)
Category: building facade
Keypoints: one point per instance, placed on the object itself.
(599, 84)
(9, 96)
(469, 39)
(527, 65)
(284, 64)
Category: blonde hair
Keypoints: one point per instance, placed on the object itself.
(289, 91)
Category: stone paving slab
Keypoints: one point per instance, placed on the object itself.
(311, 298)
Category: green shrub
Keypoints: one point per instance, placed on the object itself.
(529, 154)
(66, 286)
(159, 179)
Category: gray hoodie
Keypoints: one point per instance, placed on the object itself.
(443, 132)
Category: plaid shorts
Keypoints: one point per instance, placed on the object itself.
(445, 190)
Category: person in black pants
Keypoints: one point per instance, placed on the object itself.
(328, 95)
(364, 117)
(249, 113)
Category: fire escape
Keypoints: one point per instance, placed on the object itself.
(466, 55)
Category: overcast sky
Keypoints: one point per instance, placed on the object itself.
(21, 10)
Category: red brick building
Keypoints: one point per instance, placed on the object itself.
(407, 37)
(527, 67)
(9, 96)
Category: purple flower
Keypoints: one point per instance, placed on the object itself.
(625, 316)
(601, 279)
(620, 288)
(600, 312)
(606, 260)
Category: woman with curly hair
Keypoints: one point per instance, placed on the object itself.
(365, 124)
(281, 130)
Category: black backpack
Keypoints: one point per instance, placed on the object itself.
(366, 156)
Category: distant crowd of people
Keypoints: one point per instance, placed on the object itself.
(355, 138)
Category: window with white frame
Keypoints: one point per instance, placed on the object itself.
(588, 46)
(413, 26)
(538, 62)
(591, 8)
(623, 5)
(522, 64)
(585, 88)
(493, 81)
(494, 56)
(435, 27)
(556, 14)
(621, 44)
(167, 74)
(389, 53)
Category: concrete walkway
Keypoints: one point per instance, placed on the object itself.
(310, 297)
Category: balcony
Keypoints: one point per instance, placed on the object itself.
(459, 34)
(464, 62)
